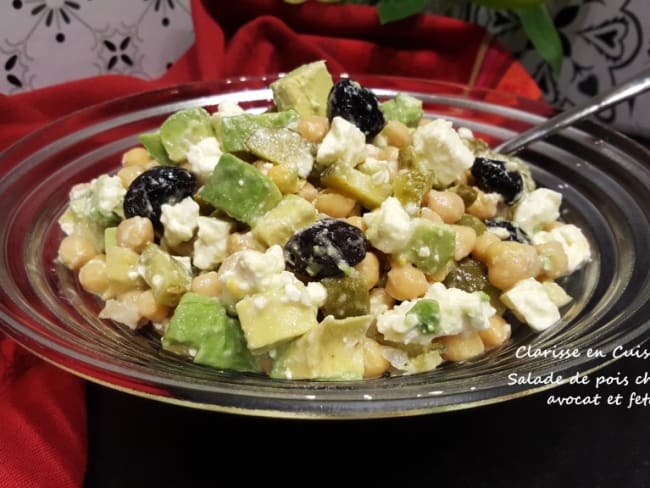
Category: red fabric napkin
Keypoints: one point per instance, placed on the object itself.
(42, 408)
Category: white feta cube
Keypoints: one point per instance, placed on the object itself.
(203, 157)
(531, 303)
(573, 241)
(179, 220)
(344, 143)
(537, 208)
(389, 227)
(440, 146)
(211, 245)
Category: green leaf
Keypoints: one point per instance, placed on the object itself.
(392, 10)
(538, 26)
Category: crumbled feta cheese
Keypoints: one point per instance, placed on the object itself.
(108, 194)
(246, 272)
(460, 311)
(501, 232)
(378, 169)
(228, 107)
(344, 143)
(465, 133)
(440, 146)
(537, 208)
(312, 295)
(203, 157)
(573, 241)
(211, 245)
(389, 227)
(123, 311)
(179, 220)
(531, 304)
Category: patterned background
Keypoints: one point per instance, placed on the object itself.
(43, 42)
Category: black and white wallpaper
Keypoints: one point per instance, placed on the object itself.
(605, 42)
(43, 42)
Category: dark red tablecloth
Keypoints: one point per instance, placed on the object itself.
(42, 408)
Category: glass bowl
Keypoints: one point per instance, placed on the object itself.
(603, 176)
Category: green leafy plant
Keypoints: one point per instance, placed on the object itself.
(533, 14)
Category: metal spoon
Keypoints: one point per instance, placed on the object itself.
(636, 85)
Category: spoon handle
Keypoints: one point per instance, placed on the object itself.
(634, 86)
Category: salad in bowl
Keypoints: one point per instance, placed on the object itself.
(332, 237)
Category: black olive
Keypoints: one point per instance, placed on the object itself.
(492, 176)
(515, 233)
(158, 185)
(325, 249)
(357, 105)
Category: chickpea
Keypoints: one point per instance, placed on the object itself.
(406, 282)
(555, 262)
(497, 333)
(368, 268)
(334, 204)
(374, 363)
(135, 156)
(397, 133)
(465, 241)
(485, 206)
(509, 262)
(313, 127)
(207, 284)
(92, 275)
(427, 213)
(135, 233)
(462, 346)
(129, 173)
(482, 244)
(75, 251)
(150, 309)
(308, 192)
(285, 178)
(447, 204)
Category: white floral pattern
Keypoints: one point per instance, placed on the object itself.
(605, 42)
(43, 42)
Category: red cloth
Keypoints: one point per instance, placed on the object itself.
(42, 408)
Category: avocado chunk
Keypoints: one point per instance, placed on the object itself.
(234, 130)
(304, 89)
(183, 129)
(153, 144)
(269, 319)
(201, 328)
(288, 217)
(282, 146)
(333, 350)
(346, 297)
(354, 184)
(427, 315)
(431, 245)
(405, 108)
(168, 278)
(240, 189)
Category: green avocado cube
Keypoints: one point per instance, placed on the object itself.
(153, 144)
(282, 146)
(201, 328)
(168, 278)
(354, 184)
(240, 189)
(183, 129)
(234, 130)
(431, 245)
(269, 319)
(405, 108)
(333, 350)
(304, 89)
(288, 217)
(427, 314)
